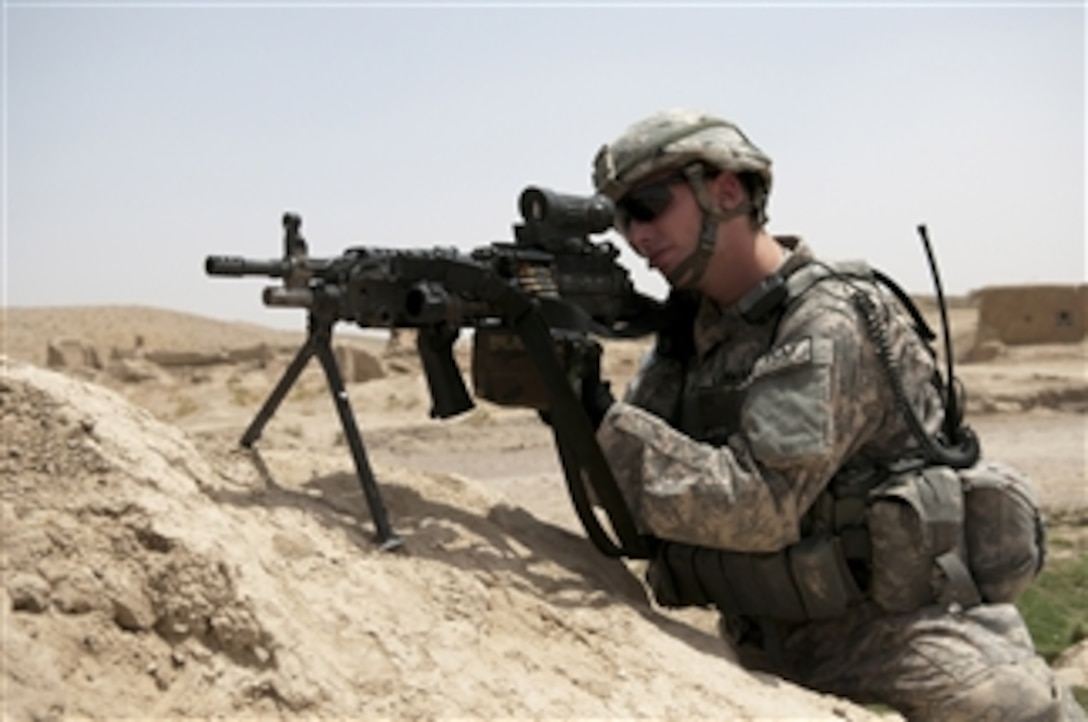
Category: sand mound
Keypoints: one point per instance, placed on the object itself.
(144, 578)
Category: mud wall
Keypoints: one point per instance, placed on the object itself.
(1032, 314)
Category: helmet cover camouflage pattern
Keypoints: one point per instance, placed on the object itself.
(673, 139)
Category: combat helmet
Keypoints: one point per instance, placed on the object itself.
(687, 140)
(675, 138)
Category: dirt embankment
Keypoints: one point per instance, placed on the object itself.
(144, 577)
(153, 569)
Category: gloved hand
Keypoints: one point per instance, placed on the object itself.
(596, 394)
(597, 399)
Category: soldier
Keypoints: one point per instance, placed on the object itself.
(791, 446)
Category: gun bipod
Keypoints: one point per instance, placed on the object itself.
(319, 343)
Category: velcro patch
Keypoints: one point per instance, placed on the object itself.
(792, 355)
(787, 416)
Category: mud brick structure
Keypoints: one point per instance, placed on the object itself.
(1032, 314)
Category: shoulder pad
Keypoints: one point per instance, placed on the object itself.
(816, 272)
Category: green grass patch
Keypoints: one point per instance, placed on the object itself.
(1061, 543)
(1055, 607)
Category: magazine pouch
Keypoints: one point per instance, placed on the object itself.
(916, 528)
(1003, 525)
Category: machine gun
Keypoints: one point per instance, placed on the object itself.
(534, 306)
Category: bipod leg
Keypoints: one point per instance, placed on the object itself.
(387, 540)
(282, 387)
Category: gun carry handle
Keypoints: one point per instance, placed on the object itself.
(449, 397)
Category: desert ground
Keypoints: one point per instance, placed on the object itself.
(154, 569)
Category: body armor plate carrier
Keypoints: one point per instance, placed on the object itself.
(861, 523)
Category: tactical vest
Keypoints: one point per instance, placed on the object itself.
(894, 534)
(819, 577)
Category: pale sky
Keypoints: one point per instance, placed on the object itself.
(140, 137)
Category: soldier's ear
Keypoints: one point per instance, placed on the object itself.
(727, 190)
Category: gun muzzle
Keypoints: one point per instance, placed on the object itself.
(238, 266)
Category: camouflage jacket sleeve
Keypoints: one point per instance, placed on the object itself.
(817, 398)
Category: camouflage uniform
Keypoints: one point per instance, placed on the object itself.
(815, 405)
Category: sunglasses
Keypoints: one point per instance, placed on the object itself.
(646, 203)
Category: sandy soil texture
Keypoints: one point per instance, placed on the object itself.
(152, 568)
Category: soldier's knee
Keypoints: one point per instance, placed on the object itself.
(1025, 692)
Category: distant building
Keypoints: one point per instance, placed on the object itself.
(1032, 314)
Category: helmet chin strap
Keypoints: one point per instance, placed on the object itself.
(689, 271)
